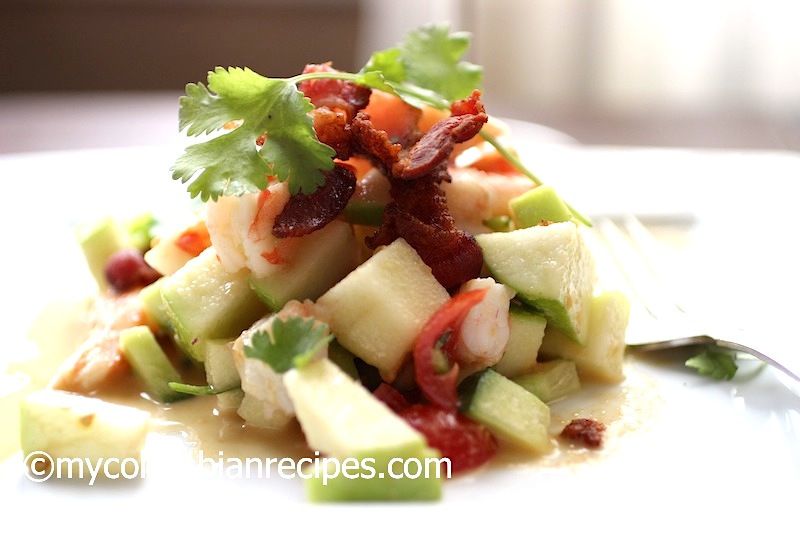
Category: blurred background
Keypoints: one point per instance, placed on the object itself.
(695, 73)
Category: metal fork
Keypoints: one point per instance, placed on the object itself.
(628, 258)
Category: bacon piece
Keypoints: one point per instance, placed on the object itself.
(374, 143)
(429, 156)
(418, 213)
(435, 147)
(586, 431)
(334, 94)
(306, 213)
(332, 128)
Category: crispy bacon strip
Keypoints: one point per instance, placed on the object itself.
(418, 211)
(435, 147)
(306, 213)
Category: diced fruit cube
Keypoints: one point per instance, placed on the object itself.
(378, 310)
(99, 241)
(71, 426)
(526, 330)
(550, 268)
(317, 262)
(538, 205)
(551, 380)
(154, 308)
(150, 363)
(204, 302)
(341, 419)
(509, 411)
(170, 252)
(603, 355)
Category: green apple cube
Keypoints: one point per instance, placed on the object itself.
(603, 355)
(550, 268)
(342, 420)
(377, 311)
(316, 263)
(540, 204)
(510, 412)
(525, 333)
(551, 380)
(221, 373)
(99, 241)
(67, 426)
(204, 302)
(150, 363)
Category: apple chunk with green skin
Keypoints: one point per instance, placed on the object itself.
(359, 436)
(317, 262)
(204, 301)
(603, 355)
(68, 426)
(377, 311)
(551, 269)
(510, 412)
(526, 330)
(539, 204)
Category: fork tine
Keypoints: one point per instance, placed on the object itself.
(631, 261)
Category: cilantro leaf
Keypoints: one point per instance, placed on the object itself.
(426, 68)
(289, 343)
(714, 363)
(432, 57)
(232, 163)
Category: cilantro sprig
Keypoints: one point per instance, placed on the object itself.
(715, 363)
(288, 343)
(426, 68)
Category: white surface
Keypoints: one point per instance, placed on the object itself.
(721, 453)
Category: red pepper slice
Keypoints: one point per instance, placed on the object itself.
(440, 388)
(466, 443)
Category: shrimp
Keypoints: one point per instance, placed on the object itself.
(240, 229)
(484, 332)
(98, 362)
(266, 402)
(475, 196)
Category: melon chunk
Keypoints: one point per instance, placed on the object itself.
(603, 355)
(377, 311)
(551, 269)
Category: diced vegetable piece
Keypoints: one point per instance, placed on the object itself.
(70, 426)
(99, 241)
(550, 268)
(341, 419)
(317, 262)
(153, 306)
(150, 363)
(551, 380)
(378, 310)
(603, 355)
(206, 302)
(509, 411)
(221, 373)
(171, 252)
(140, 231)
(526, 330)
(343, 358)
(540, 204)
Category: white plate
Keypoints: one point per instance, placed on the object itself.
(726, 453)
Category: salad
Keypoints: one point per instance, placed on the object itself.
(371, 263)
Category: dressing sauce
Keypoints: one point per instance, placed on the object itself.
(624, 408)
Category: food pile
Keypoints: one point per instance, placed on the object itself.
(372, 262)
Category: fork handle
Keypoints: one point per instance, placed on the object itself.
(790, 367)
